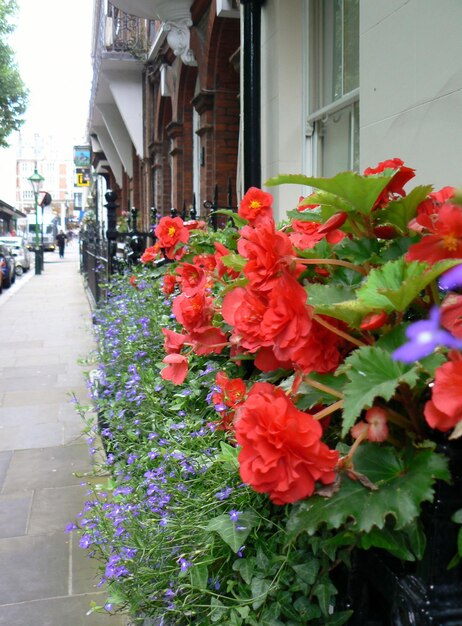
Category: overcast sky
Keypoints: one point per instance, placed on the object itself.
(52, 43)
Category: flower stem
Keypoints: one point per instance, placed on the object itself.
(351, 266)
(322, 387)
(328, 410)
(337, 331)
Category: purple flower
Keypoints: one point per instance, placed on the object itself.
(451, 279)
(234, 515)
(184, 564)
(424, 337)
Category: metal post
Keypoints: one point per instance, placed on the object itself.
(251, 58)
(38, 256)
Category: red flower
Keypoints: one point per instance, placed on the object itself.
(207, 262)
(372, 321)
(192, 279)
(395, 186)
(208, 340)
(427, 211)
(170, 233)
(444, 410)
(268, 253)
(320, 352)
(173, 341)
(168, 284)
(133, 281)
(150, 254)
(445, 240)
(286, 323)
(230, 392)
(243, 309)
(451, 314)
(256, 205)
(193, 311)
(306, 235)
(223, 270)
(281, 449)
(177, 368)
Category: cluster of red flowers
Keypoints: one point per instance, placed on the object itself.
(266, 316)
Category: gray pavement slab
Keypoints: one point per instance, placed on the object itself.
(46, 579)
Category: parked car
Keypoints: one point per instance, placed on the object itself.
(18, 249)
(7, 266)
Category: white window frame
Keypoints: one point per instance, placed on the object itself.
(316, 116)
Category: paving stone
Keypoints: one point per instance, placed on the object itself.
(14, 514)
(34, 567)
(5, 460)
(47, 467)
(66, 611)
(54, 508)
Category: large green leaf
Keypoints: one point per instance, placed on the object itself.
(336, 301)
(360, 192)
(233, 533)
(404, 480)
(372, 373)
(397, 283)
(399, 213)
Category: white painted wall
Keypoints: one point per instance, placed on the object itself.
(411, 87)
(281, 97)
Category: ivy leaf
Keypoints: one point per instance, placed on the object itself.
(199, 576)
(399, 213)
(372, 373)
(246, 568)
(259, 588)
(404, 479)
(360, 192)
(233, 533)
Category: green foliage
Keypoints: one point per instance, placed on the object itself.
(13, 93)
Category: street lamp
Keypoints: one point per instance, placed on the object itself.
(36, 181)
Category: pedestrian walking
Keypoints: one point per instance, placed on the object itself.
(61, 239)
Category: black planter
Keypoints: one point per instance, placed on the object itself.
(383, 591)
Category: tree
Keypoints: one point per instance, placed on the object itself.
(13, 93)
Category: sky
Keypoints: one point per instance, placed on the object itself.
(52, 45)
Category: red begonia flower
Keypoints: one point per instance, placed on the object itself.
(168, 284)
(171, 232)
(177, 368)
(256, 205)
(427, 211)
(372, 321)
(444, 410)
(281, 449)
(208, 340)
(243, 309)
(150, 254)
(192, 279)
(268, 253)
(451, 314)
(395, 186)
(173, 341)
(306, 235)
(193, 311)
(445, 240)
(222, 269)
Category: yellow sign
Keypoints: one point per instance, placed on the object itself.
(83, 177)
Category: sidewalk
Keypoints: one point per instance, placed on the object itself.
(45, 578)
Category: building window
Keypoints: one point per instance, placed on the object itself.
(332, 123)
(27, 195)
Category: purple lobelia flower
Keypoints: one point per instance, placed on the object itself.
(424, 337)
(452, 279)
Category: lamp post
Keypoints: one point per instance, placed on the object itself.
(36, 180)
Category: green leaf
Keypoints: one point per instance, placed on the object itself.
(457, 517)
(372, 373)
(360, 192)
(399, 213)
(394, 542)
(218, 609)
(339, 618)
(325, 591)
(246, 568)
(233, 533)
(229, 455)
(234, 261)
(335, 301)
(309, 396)
(404, 480)
(199, 575)
(308, 571)
(397, 283)
(237, 219)
(358, 250)
(259, 588)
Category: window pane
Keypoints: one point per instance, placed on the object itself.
(340, 55)
(350, 45)
(339, 137)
